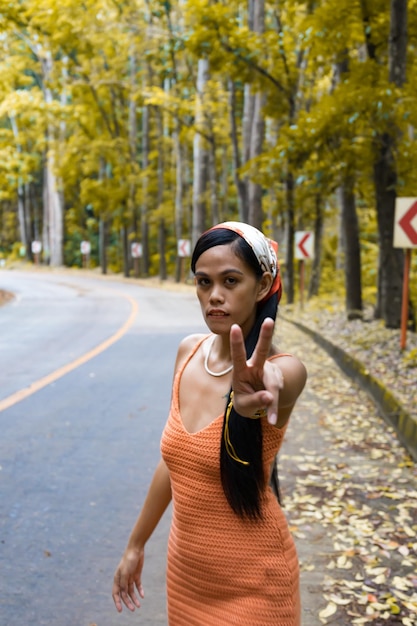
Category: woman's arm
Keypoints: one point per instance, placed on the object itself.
(129, 571)
(294, 377)
(156, 502)
(127, 578)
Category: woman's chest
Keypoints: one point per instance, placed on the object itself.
(191, 457)
(202, 398)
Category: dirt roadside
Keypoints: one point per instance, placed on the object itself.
(350, 496)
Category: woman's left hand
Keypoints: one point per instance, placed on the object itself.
(256, 382)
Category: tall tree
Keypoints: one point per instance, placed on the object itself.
(385, 166)
(199, 155)
(351, 246)
(22, 212)
(256, 121)
(350, 235)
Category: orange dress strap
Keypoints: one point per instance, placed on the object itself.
(191, 354)
(276, 356)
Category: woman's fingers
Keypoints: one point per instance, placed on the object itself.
(237, 349)
(130, 598)
(140, 588)
(124, 591)
(274, 382)
(116, 599)
(256, 382)
(263, 346)
(247, 404)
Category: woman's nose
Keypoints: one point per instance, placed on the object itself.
(216, 294)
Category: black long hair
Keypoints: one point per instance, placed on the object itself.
(242, 483)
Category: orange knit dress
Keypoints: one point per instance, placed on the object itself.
(222, 569)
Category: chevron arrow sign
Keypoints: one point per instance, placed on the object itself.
(405, 225)
(304, 245)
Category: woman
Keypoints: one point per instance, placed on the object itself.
(231, 558)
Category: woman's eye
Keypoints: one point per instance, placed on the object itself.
(231, 281)
(203, 282)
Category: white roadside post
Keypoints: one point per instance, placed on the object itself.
(183, 250)
(36, 248)
(136, 251)
(85, 251)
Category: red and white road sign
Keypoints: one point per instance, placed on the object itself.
(136, 250)
(405, 225)
(184, 247)
(85, 247)
(304, 245)
(36, 247)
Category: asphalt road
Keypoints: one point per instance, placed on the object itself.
(85, 381)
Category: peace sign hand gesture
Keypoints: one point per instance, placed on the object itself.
(256, 382)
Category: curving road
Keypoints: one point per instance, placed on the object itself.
(85, 381)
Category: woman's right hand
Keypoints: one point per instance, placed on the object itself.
(127, 580)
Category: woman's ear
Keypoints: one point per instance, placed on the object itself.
(265, 285)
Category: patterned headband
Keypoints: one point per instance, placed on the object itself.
(265, 250)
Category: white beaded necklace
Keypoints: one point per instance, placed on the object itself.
(206, 367)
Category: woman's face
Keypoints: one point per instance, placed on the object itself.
(228, 290)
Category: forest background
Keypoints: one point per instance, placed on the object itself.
(150, 120)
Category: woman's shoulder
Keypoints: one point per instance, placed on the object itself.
(186, 346)
(294, 373)
(190, 341)
(285, 359)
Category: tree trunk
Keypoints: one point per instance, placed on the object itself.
(28, 219)
(290, 204)
(241, 184)
(224, 184)
(199, 157)
(56, 226)
(212, 176)
(178, 196)
(133, 132)
(21, 216)
(161, 247)
(398, 42)
(125, 248)
(103, 223)
(314, 286)
(257, 127)
(160, 194)
(144, 234)
(45, 216)
(54, 207)
(352, 253)
(248, 108)
(257, 138)
(21, 212)
(102, 245)
(35, 225)
(271, 138)
(391, 260)
(289, 258)
(145, 182)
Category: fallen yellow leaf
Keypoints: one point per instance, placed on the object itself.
(330, 610)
